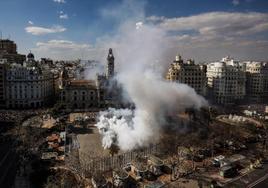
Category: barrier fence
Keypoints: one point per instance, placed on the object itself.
(102, 164)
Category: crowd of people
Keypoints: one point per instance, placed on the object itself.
(17, 116)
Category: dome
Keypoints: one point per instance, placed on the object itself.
(30, 56)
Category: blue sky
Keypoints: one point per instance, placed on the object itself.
(81, 23)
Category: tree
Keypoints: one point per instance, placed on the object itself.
(57, 108)
(62, 178)
(114, 149)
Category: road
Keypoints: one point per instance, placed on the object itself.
(260, 183)
(255, 179)
(8, 164)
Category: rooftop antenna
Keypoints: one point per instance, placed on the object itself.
(9, 36)
(0, 34)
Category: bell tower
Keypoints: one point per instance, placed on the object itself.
(110, 64)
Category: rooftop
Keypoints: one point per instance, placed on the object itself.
(236, 157)
(49, 155)
(82, 83)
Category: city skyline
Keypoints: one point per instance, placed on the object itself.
(133, 93)
(205, 31)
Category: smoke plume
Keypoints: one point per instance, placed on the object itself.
(139, 49)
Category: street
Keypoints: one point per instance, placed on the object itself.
(257, 179)
(8, 164)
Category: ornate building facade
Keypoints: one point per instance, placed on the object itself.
(28, 86)
(80, 94)
(188, 73)
(227, 81)
(257, 82)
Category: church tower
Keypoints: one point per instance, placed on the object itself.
(110, 64)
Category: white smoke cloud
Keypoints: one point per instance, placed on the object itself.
(92, 69)
(139, 66)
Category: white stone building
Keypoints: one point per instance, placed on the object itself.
(257, 82)
(28, 87)
(188, 73)
(81, 94)
(226, 81)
